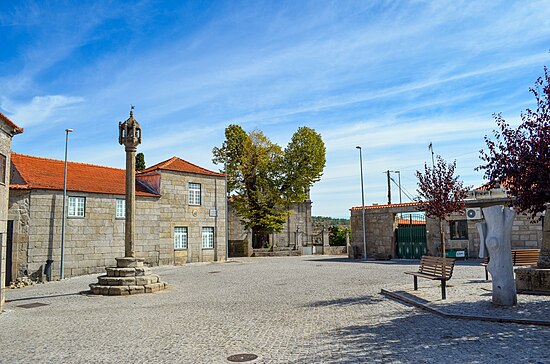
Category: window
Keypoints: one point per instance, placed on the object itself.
(459, 229)
(180, 238)
(2, 168)
(207, 237)
(194, 193)
(76, 206)
(120, 208)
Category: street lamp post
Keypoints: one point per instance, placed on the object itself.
(363, 204)
(226, 211)
(62, 265)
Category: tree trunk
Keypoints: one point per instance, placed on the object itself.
(496, 236)
(442, 235)
(544, 258)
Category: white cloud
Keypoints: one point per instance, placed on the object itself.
(40, 109)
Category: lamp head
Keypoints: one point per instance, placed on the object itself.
(358, 147)
(69, 130)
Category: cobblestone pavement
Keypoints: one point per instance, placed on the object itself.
(285, 310)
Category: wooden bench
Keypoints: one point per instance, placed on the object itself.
(434, 268)
(520, 257)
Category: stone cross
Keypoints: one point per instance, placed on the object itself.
(130, 136)
(495, 236)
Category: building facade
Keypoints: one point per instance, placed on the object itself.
(297, 233)
(7, 130)
(180, 213)
(461, 235)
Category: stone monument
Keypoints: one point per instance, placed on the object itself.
(495, 236)
(130, 276)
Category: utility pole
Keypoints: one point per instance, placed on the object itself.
(399, 180)
(389, 186)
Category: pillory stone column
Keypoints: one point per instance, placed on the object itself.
(130, 276)
(130, 136)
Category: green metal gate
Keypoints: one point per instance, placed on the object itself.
(411, 235)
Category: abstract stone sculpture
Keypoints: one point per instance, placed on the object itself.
(495, 234)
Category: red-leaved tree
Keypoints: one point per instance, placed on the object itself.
(519, 159)
(440, 193)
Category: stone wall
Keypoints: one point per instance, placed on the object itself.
(381, 238)
(5, 149)
(94, 241)
(297, 232)
(175, 211)
(91, 243)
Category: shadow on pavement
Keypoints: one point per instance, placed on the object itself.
(426, 338)
(346, 301)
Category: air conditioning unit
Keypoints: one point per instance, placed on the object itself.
(474, 213)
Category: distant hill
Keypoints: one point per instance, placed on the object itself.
(320, 221)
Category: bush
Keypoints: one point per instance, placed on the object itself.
(337, 235)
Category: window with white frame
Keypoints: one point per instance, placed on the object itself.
(180, 238)
(194, 193)
(207, 237)
(76, 206)
(120, 208)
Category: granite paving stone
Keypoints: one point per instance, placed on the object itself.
(308, 309)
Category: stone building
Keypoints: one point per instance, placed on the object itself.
(296, 234)
(7, 130)
(180, 214)
(462, 238)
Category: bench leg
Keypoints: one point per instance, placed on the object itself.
(486, 274)
(415, 283)
(443, 293)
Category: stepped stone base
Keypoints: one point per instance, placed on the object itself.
(130, 276)
(533, 280)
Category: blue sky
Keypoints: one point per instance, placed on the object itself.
(391, 76)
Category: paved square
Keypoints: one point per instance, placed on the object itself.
(285, 310)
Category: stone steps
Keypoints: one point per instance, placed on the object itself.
(130, 276)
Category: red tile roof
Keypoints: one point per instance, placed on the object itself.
(44, 173)
(403, 221)
(386, 206)
(17, 130)
(180, 165)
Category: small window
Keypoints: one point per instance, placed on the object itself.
(120, 209)
(459, 229)
(2, 169)
(194, 193)
(207, 237)
(180, 238)
(76, 206)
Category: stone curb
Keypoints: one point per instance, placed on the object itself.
(442, 313)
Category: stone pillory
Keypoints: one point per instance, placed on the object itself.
(130, 276)
(130, 136)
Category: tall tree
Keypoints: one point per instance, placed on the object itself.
(519, 160)
(303, 164)
(264, 180)
(140, 162)
(440, 192)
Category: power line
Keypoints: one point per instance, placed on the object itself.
(403, 189)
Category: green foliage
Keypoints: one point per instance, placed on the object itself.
(337, 235)
(325, 221)
(140, 162)
(263, 179)
(303, 164)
